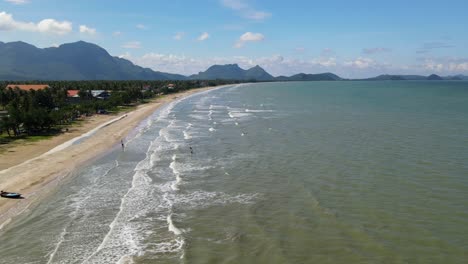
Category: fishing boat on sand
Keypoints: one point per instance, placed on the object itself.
(11, 195)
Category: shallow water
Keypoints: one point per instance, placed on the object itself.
(317, 172)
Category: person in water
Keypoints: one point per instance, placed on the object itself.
(121, 142)
(191, 150)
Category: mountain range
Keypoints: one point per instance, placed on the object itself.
(81, 60)
(73, 61)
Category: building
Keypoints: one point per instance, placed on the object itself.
(28, 87)
(100, 94)
(73, 93)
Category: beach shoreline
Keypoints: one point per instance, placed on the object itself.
(35, 177)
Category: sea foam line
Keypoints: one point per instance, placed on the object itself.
(172, 227)
(82, 201)
(61, 240)
(164, 113)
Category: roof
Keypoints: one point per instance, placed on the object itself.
(73, 93)
(27, 87)
(96, 93)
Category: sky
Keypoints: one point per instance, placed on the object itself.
(354, 39)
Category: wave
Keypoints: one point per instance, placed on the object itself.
(259, 111)
(172, 227)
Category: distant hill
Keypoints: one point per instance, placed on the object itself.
(233, 72)
(310, 77)
(387, 77)
(434, 77)
(73, 61)
(459, 77)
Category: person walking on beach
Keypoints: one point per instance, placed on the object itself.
(123, 146)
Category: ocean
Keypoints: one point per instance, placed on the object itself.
(298, 172)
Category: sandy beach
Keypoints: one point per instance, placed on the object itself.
(35, 169)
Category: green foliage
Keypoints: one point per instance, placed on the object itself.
(40, 112)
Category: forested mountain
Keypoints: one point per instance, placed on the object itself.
(73, 61)
(233, 72)
(311, 77)
(432, 77)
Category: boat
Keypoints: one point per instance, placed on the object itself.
(11, 195)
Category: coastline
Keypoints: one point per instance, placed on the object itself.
(36, 177)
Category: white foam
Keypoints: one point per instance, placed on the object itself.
(187, 135)
(176, 183)
(168, 247)
(60, 241)
(212, 129)
(173, 165)
(233, 114)
(217, 107)
(198, 117)
(172, 227)
(258, 111)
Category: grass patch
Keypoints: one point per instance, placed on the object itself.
(6, 140)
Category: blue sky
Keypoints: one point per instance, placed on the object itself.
(358, 38)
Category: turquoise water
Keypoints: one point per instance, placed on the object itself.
(316, 172)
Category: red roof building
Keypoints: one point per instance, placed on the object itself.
(73, 93)
(28, 87)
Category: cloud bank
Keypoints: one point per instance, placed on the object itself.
(46, 26)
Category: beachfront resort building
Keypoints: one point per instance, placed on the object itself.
(28, 87)
(73, 93)
(100, 94)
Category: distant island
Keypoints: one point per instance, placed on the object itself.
(81, 60)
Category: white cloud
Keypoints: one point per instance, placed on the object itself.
(249, 37)
(370, 51)
(327, 52)
(54, 26)
(179, 35)
(325, 62)
(203, 36)
(141, 26)
(132, 45)
(8, 23)
(257, 15)
(445, 65)
(245, 10)
(360, 63)
(116, 33)
(275, 64)
(87, 30)
(17, 2)
(126, 55)
(235, 4)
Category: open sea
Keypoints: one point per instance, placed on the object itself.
(299, 172)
